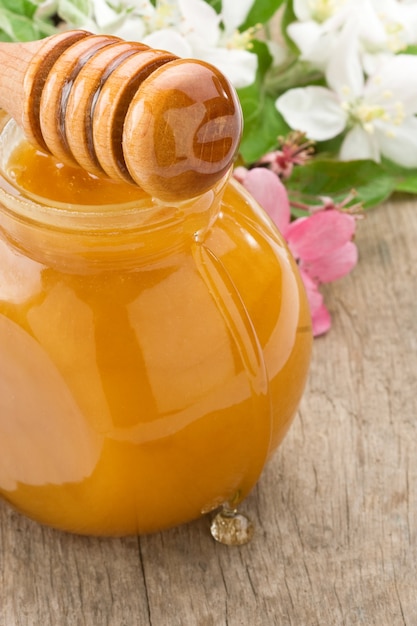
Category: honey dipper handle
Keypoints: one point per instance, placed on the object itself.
(15, 59)
(24, 70)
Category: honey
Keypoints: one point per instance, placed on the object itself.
(152, 356)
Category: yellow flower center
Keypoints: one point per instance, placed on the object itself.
(243, 41)
(366, 114)
(395, 34)
(321, 10)
(165, 15)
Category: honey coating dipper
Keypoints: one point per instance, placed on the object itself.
(122, 109)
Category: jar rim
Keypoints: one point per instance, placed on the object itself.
(75, 216)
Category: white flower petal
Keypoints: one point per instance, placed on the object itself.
(358, 144)
(410, 24)
(330, 14)
(306, 35)
(132, 29)
(200, 19)
(397, 77)
(104, 15)
(234, 13)
(239, 66)
(372, 62)
(302, 9)
(344, 72)
(313, 110)
(399, 22)
(170, 40)
(372, 29)
(399, 143)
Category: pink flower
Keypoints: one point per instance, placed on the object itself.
(268, 191)
(294, 149)
(321, 243)
(320, 316)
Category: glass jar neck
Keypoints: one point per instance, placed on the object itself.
(96, 234)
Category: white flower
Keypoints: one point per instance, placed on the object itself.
(399, 23)
(384, 27)
(199, 32)
(387, 27)
(378, 114)
(101, 16)
(187, 28)
(318, 10)
(318, 25)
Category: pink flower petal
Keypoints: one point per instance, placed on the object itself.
(270, 193)
(334, 265)
(320, 316)
(240, 173)
(321, 321)
(320, 234)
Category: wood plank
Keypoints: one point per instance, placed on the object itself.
(335, 511)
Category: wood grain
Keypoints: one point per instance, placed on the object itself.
(335, 511)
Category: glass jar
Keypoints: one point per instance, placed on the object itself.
(152, 356)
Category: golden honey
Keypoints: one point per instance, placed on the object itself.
(152, 356)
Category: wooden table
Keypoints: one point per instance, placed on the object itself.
(335, 511)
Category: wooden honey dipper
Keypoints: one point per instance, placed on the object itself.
(124, 110)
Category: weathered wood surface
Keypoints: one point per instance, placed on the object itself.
(335, 511)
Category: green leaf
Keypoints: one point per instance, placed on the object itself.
(19, 7)
(19, 22)
(251, 96)
(261, 132)
(372, 182)
(261, 12)
(216, 4)
(406, 178)
(15, 27)
(262, 122)
(408, 185)
(410, 50)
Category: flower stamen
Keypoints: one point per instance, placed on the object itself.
(322, 10)
(366, 114)
(395, 33)
(243, 40)
(166, 15)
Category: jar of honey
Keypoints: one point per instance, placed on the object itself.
(152, 355)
